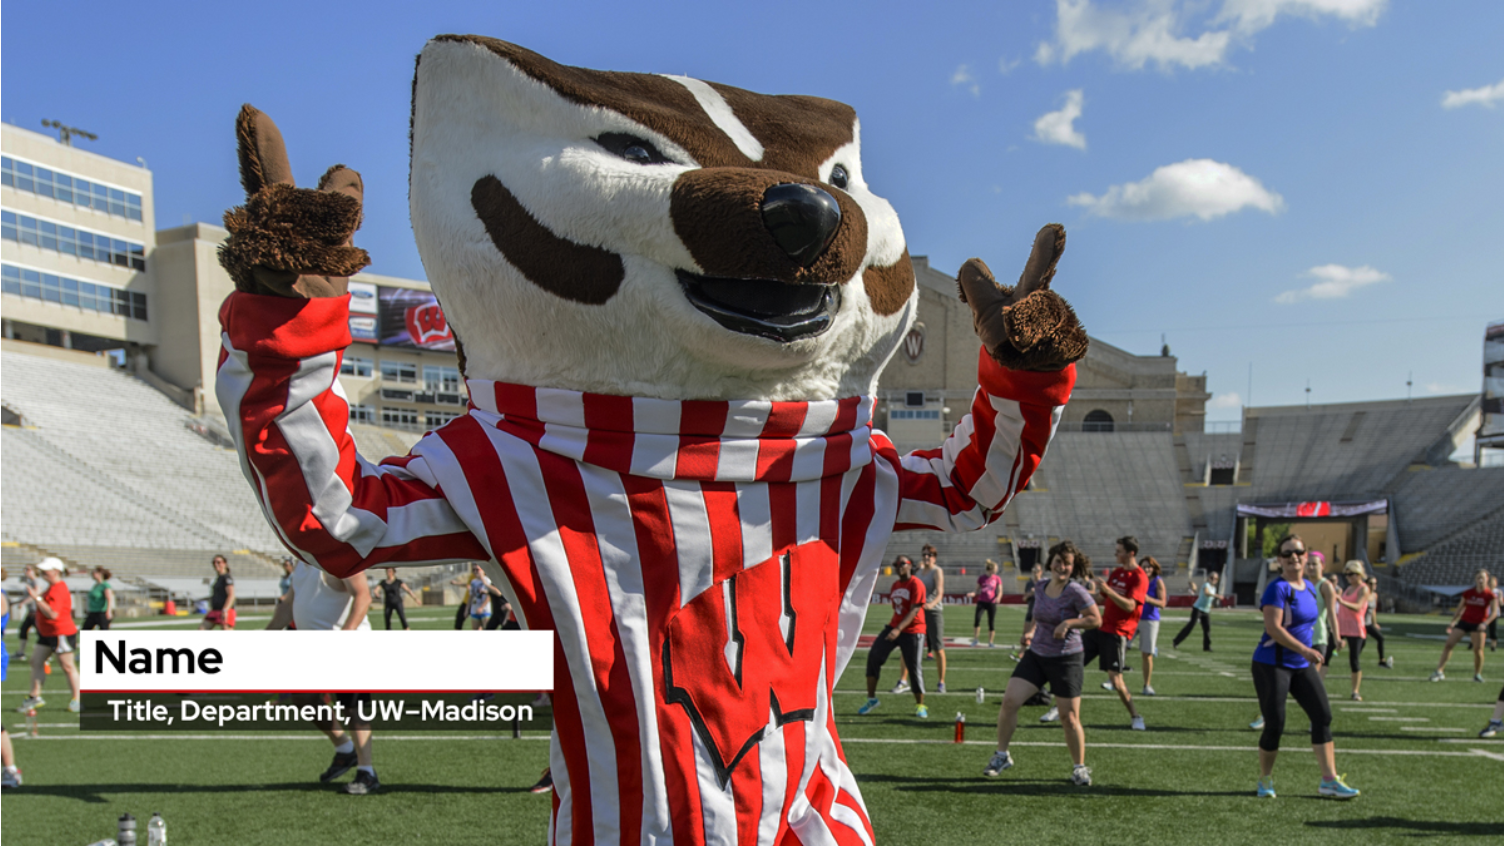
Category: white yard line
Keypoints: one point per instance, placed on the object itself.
(1401, 719)
(1433, 728)
(1423, 753)
(1485, 753)
(1369, 710)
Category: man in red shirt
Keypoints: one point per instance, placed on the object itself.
(1475, 610)
(1122, 596)
(56, 632)
(905, 631)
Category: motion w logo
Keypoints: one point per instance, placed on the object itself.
(748, 651)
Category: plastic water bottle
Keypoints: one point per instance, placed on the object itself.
(156, 830)
(981, 696)
(108, 841)
(127, 836)
(960, 727)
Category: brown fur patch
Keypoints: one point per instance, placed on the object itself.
(717, 213)
(294, 231)
(575, 272)
(888, 288)
(798, 133)
(1043, 332)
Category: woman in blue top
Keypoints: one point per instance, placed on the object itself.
(1284, 665)
(11, 777)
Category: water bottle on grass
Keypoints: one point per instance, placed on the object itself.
(156, 831)
(127, 835)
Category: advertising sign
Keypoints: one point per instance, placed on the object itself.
(411, 318)
(363, 310)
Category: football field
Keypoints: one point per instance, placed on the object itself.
(1411, 747)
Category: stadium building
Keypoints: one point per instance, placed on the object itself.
(117, 452)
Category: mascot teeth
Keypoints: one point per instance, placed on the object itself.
(766, 308)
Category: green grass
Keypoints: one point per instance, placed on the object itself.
(1189, 779)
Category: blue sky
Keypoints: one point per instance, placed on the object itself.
(1312, 187)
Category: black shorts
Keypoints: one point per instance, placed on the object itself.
(908, 645)
(1110, 648)
(934, 629)
(1468, 627)
(1065, 673)
(61, 644)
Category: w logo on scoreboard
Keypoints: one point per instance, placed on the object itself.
(748, 651)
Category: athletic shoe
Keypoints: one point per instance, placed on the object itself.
(1356, 697)
(1138, 724)
(922, 712)
(901, 687)
(364, 783)
(545, 783)
(974, 642)
(1081, 775)
(940, 687)
(991, 646)
(1438, 676)
(869, 707)
(12, 777)
(29, 703)
(343, 762)
(1257, 725)
(1387, 663)
(75, 706)
(1015, 657)
(1000, 761)
(1108, 686)
(1477, 677)
(1148, 691)
(1492, 728)
(1051, 715)
(1266, 788)
(1337, 788)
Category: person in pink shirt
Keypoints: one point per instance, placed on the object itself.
(1352, 607)
(987, 595)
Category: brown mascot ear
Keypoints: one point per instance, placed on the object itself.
(289, 241)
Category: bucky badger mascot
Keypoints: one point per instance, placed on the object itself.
(672, 300)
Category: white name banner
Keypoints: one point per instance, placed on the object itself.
(315, 662)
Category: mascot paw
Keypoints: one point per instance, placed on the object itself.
(1028, 327)
(289, 241)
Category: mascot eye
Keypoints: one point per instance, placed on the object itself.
(838, 177)
(630, 147)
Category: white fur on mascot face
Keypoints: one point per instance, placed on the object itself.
(614, 232)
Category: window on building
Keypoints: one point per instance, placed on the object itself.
(445, 379)
(1097, 420)
(65, 187)
(63, 290)
(399, 416)
(361, 368)
(914, 414)
(362, 414)
(399, 371)
(50, 235)
(435, 419)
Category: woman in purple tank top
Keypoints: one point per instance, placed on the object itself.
(1062, 609)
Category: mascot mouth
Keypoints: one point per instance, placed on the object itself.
(765, 308)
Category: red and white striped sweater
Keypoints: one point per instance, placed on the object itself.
(706, 565)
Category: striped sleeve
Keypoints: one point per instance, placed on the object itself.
(278, 385)
(967, 482)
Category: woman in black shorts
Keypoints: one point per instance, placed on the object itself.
(392, 589)
(1062, 608)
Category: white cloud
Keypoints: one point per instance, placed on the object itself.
(1486, 96)
(1254, 15)
(1227, 400)
(1334, 281)
(1005, 65)
(1059, 127)
(1201, 187)
(1168, 32)
(963, 78)
(1443, 388)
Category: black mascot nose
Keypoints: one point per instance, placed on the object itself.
(802, 219)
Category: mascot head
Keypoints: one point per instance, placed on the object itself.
(661, 236)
